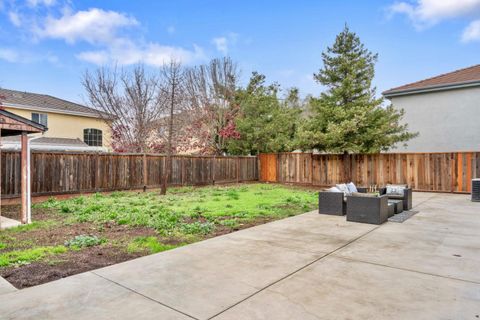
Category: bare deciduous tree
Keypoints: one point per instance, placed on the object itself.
(174, 103)
(129, 101)
(211, 92)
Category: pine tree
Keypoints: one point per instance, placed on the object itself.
(348, 117)
(265, 123)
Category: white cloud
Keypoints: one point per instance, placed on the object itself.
(94, 26)
(9, 55)
(16, 56)
(14, 18)
(223, 44)
(472, 32)
(425, 13)
(107, 34)
(47, 3)
(127, 52)
(96, 57)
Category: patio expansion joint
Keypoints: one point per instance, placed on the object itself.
(407, 270)
(294, 272)
(144, 296)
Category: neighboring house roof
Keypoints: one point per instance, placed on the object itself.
(46, 103)
(462, 78)
(50, 144)
(49, 141)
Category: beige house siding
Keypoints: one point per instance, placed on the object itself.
(67, 126)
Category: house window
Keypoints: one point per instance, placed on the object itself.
(41, 118)
(92, 137)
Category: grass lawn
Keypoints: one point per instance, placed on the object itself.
(87, 232)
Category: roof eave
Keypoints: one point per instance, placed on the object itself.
(52, 110)
(450, 86)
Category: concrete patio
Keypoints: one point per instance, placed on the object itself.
(305, 267)
(6, 223)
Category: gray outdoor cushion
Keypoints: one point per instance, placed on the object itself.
(343, 188)
(333, 189)
(365, 195)
(396, 189)
(351, 187)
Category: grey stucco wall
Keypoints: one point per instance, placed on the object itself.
(446, 120)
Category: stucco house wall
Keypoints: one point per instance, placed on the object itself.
(66, 125)
(446, 120)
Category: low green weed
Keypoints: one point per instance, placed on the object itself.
(19, 257)
(83, 241)
(197, 227)
(150, 244)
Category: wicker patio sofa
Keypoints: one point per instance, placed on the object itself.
(371, 209)
(333, 203)
(406, 197)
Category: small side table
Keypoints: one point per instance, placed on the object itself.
(397, 205)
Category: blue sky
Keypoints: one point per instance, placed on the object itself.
(46, 45)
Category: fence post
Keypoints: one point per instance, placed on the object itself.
(258, 167)
(346, 167)
(97, 172)
(145, 177)
(311, 168)
(164, 163)
(183, 170)
(213, 169)
(238, 169)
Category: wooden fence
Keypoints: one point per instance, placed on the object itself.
(444, 172)
(69, 172)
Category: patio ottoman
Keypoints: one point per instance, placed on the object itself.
(397, 205)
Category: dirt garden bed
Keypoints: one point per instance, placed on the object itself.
(88, 232)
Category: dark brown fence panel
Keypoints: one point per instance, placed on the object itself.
(70, 172)
(444, 172)
(226, 170)
(248, 168)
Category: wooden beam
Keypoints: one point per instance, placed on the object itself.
(24, 172)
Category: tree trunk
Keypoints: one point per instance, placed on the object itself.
(168, 161)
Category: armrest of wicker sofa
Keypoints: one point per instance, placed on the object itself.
(331, 203)
(407, 198)
(372, 210)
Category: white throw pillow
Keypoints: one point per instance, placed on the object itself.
(351, 187)
(396, 189)
(334, 189)
(343, 188)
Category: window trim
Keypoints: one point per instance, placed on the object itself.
(40, 116)
(93, 137)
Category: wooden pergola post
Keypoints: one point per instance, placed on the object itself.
(24, 181)
(14, 125)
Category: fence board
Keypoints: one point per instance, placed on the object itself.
(73, 172)
(444, 172)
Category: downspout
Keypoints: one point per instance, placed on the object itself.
(29, 186)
